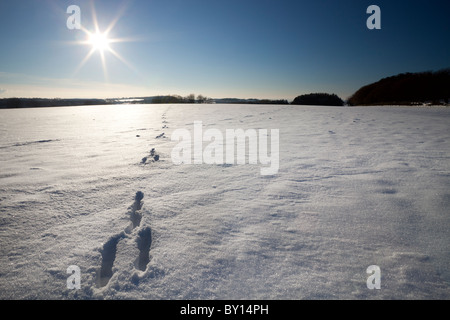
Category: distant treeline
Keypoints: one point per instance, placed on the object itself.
(41, 102)
(250, 101)
(406, 89)
(178, 99)
(171, 99)
(318, 99)
(202, 99)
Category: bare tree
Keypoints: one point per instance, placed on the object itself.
(190, 98)
(201, 99)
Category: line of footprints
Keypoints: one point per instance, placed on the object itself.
(144, 241)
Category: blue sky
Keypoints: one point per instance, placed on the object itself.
(233, 48)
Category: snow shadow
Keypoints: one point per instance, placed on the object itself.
(144, 242)
(108, 257)
(135, 213)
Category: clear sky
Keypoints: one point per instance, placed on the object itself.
(219, 48)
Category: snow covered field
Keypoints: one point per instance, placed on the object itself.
(355, 187)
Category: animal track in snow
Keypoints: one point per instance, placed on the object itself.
(162, 135)
(143, 241)
(108, 257)
(164, 122)
(135, 212)
(152, 157)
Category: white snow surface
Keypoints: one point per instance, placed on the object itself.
(356, 187)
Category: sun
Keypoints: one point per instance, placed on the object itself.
(99, 41)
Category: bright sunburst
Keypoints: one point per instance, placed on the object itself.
(99, 41)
